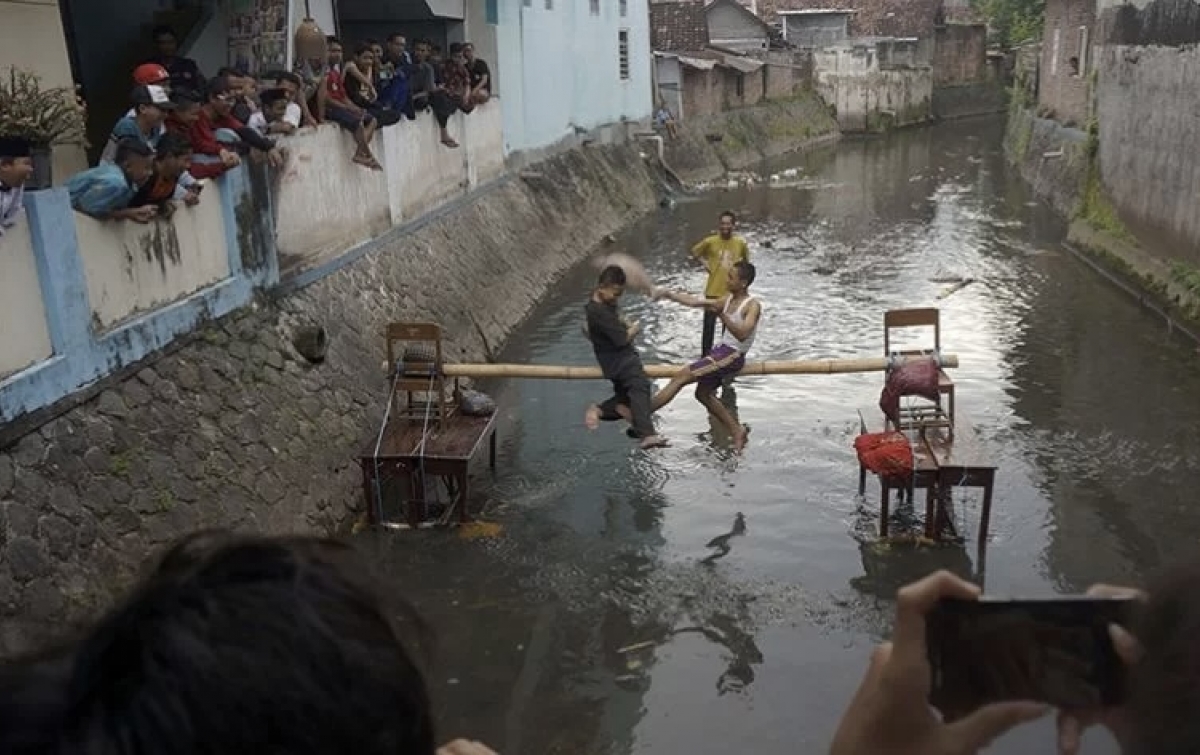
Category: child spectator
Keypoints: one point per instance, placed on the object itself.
(664, 120)
(481, 75)
(213, 135)
(16, 166)
(171, 161)
(428, 93)
(457, 79)
(150, 108)
(359, 78)
(104, 192)
(297, 115)
(272, 118)
(327, 99)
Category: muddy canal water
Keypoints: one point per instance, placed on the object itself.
(682, 601)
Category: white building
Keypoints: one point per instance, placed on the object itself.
(571, 66)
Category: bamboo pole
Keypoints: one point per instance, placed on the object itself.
(793, 367)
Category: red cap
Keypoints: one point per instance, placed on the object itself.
(150, 73)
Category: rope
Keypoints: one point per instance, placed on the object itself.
(387, 413)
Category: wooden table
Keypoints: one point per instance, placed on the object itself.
(943, 458)
(446, 454)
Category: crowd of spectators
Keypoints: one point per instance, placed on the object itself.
(183, 128)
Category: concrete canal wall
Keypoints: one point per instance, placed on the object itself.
(200, 411)
(1104, 128)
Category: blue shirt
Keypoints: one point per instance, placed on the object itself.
(101, 191)
(127, 128)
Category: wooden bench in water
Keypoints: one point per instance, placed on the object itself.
(943, 458)
(411, 452)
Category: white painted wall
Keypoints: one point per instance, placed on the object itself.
(559, 69)
(24, 335)
(31, 37)
(326, 203)
(133, 268)
(852, 80)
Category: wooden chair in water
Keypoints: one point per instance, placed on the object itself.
(929, 317)
(419, 364)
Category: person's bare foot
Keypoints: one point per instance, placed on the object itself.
(653, 441)
(740, 438)
(591, 417)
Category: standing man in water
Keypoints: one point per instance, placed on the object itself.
(612, 342)
(739, 313)
(719, 253)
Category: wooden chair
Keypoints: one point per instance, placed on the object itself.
(418, 375)
(921, 318)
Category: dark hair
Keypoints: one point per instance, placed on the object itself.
(163, 30)
(127, 148)
(185, 98)
(396, 35)
(217, 86)
(746, 272)
(271, 96)
(1164, 695)
(362, 47)
(173, 145)
(332, 40)
(613, 275)
(291, 76)
(729, 214)
(370, 41)
(456, 48)
(228, 71)
(240, 645)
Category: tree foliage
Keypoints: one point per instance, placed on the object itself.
(1012, 22)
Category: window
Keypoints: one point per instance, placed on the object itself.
(741, 85)
(623, 53)
(492, 12)
(594, 5)
(624, 5)
(549, 4)
(528, 3)
(1083, 50)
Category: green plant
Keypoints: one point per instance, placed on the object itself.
(43, 115)
(1188, 277)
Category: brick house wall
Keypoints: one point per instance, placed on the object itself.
(884, 18)
(1064, 73)
(959, 54)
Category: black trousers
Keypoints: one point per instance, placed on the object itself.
(709, 333)
(632, 390)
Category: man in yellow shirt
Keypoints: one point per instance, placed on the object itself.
(719, 253)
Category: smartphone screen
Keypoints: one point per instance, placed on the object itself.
(1052, 651)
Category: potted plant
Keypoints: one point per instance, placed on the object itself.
(45, 116)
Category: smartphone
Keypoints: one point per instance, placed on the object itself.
(1056, 651)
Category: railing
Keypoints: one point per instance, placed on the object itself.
(80, 299)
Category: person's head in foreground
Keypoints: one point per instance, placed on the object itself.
(16, 161)
(233, 645)
(741, 275)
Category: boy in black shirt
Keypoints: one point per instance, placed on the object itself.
(612, 341)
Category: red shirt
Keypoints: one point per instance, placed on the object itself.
(203, 138)
(335, 84)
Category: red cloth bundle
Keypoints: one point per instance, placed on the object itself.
(886, 454)
(913, 377)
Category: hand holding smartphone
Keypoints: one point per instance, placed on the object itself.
(1055, 651)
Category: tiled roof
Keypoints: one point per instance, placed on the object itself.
(884, 18)
(678, 25)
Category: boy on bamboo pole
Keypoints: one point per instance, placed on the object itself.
(612, 342)
(739, 313)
